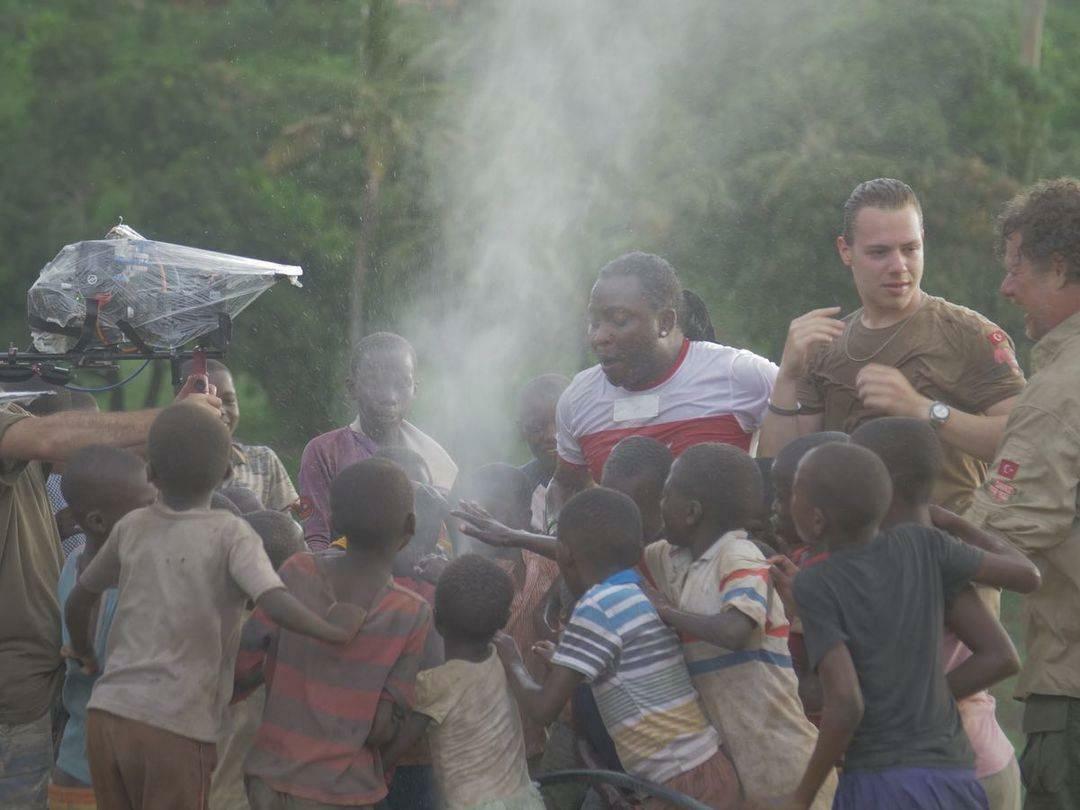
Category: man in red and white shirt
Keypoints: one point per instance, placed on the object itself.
(651, 380)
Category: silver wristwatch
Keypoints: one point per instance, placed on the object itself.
(939, 413)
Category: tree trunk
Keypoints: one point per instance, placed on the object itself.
(157, 379)
(1031, 32)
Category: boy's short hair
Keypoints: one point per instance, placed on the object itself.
(379, 342)
(243, 497)
(219, 500)
(545, 389)
(281, 536)
(370, 503)
(499, 482)
(848, 483)
(92, 473)
(603, 526)
(472, 599)
(189, 450)
(787, 460)
(911, 451)
(723, 479)
(638, 457)
(409, 460)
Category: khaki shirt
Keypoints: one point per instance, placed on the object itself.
(30, 664)
(1031, 499)
(947, 352)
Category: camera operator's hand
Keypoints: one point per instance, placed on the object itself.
(190, 393)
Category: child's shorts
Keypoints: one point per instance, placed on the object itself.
(71, 798)
(911, 789)
(713, 782)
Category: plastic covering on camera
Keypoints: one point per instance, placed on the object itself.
(123, 290)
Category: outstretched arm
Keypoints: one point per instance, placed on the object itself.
(1004, 566)
(480, 525)
(285, 610)
(729, 629)
(541, 702)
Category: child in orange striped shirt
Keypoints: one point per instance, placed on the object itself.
(715, 590)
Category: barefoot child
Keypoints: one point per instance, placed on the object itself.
(912, 454)
(616, 642)
(329, 709)
(100, 485)
(873, 612)
(465, 705)
(184, 573)
(715, 591)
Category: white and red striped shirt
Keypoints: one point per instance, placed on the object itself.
(713, 393)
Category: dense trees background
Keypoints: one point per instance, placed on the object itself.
(459, 170)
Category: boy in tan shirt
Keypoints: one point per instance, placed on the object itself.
(184, 574)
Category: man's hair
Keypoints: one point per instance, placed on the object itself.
(696, 323)
(380, 342)
(724, 480)
(472, 599)
(409, 460)
(787, 460)
(370, 502)
(499, 482)
(911, 451)
(219, 500)
(92, 473)
(545, 389)
(281, 536)
(244, 498)
(884, 192)
(848, 483)
(638, 457)
(189, 449)
(602, 526)
(659, 282)
(1047, 217)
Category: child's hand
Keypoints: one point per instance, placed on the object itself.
(783, 573)
(544, 649)
(659, 601)
(482, 526)
(507, 649)
(430, 567)
(348, 618)
(87, 662)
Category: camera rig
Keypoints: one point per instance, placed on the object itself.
(126, 297)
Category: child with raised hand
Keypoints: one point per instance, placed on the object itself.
(100, 486)
(715, 590)
(616, 642)
(873, 612)
(281, 537)
(465, 705)
(976, 652)
(330, 709)
(184, 573)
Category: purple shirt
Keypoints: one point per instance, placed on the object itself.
(326, 455)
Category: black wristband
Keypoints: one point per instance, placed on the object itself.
(785, 411)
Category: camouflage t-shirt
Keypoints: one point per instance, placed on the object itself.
(946, 351)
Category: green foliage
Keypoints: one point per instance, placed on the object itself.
(313, 133)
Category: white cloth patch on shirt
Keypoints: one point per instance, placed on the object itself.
(646, 406)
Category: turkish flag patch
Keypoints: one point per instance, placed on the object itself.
(1008, 469)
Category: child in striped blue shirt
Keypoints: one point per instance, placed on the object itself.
(633, 662)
